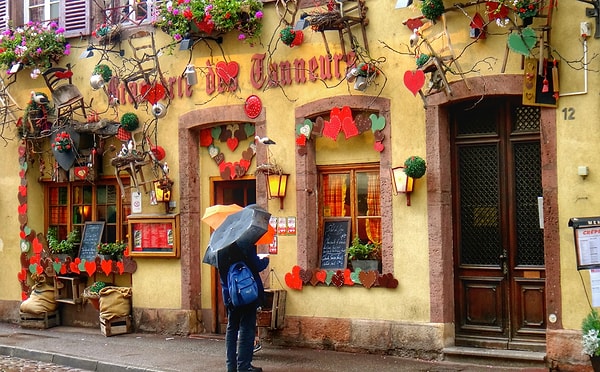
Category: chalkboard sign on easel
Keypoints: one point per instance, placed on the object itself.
(336, 237)
(92, 234)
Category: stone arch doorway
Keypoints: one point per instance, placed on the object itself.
(442, 295)
(190, 125)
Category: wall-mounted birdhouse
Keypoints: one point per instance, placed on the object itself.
(477, 27)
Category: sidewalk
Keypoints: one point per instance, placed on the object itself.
(88, 349)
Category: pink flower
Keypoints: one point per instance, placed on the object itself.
(241, 37)
(259, 14)
(177, 37)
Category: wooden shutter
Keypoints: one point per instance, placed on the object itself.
(76, 17)
(3, 15)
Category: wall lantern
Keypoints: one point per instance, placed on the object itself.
(162, 190)
(276, 185)
(402, 183)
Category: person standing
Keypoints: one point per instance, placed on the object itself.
(241, 320)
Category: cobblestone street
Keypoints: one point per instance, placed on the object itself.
(12, 364)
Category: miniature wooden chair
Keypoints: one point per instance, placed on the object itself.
(66, 96)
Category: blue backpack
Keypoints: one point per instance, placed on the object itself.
(243, 289)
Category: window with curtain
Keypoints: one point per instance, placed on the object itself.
(353, 191)
(71, 205)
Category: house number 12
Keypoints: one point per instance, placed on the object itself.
(568, 113)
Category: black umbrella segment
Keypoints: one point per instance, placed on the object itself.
(234, 239)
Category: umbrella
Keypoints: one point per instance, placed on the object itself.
(236, 237)
(216, 214)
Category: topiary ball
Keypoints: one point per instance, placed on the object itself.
(130, 121)
(104, 71)
(432, 9)
(415, 167)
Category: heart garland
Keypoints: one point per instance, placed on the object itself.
(338, 278)
(340, 120)
(232, 135)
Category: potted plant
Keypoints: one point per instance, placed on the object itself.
(62, 248)
(112, 250)
(364, 256)
(92, 293)
(590, 328)
(366, 72)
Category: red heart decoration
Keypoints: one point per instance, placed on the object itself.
(34, 259)
(81, 172)
(74, 266)
(24, 296)
(292, 281)
(23, 190)
(106, 266)
(345, 112)
(22, 208)
(90, 267)
(37, 246)
(301, 140)
(338, 278)
(349, 128)
(332, 128)
(63, 74)
(413, 23)
(347, 278)
(22, 173)
(227, 71)
(205, 138)
(22, 150)
(223, 166)
(22, 234)
(39, 269)
(321, 275)
(121, 267)
(22, 275)
(414, 80)
(153, 93)
(378, 146)
(63, 269)
(232, 143)
(245, 164)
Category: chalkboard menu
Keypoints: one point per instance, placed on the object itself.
(336, 237)
(92, 234)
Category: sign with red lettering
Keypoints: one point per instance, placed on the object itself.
(587, 242)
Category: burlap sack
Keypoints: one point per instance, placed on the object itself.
(115, 302)
(40, 301)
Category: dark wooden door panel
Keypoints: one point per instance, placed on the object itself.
(483, 309)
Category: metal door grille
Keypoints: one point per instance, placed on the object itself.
(479, 205)
(528, 180)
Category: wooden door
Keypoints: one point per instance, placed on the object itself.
(241, 192)
(498, 241)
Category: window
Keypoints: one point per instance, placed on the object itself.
(70, 206)
(73, 15)
(353, 191)
(130, 11)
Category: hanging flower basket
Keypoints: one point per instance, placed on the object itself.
(104, 71)
(415, 167)
(290, 37)
(107, 34)
(130, 121)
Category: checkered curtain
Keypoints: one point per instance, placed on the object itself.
(334, 186)
(373, 209)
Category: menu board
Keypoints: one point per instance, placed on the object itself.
(92, 235)
(336, 237)
(154, 235)
(587, 242)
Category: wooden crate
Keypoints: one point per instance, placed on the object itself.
(115, 326)
(68, 289)
(40, 321)
(272, 314)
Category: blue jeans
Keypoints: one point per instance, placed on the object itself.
(239, 352)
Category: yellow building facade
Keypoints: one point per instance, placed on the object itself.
(479, 254)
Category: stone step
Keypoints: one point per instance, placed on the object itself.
(529, 361)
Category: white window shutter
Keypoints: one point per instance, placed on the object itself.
(76, 17)
(3, 15)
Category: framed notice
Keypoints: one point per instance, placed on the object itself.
(587, 242)
(335, 241)
(153, 235)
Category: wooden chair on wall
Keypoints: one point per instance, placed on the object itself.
(146, 65)
(66, 96)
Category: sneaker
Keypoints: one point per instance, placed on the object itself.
(257, 347)
(251, 369)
